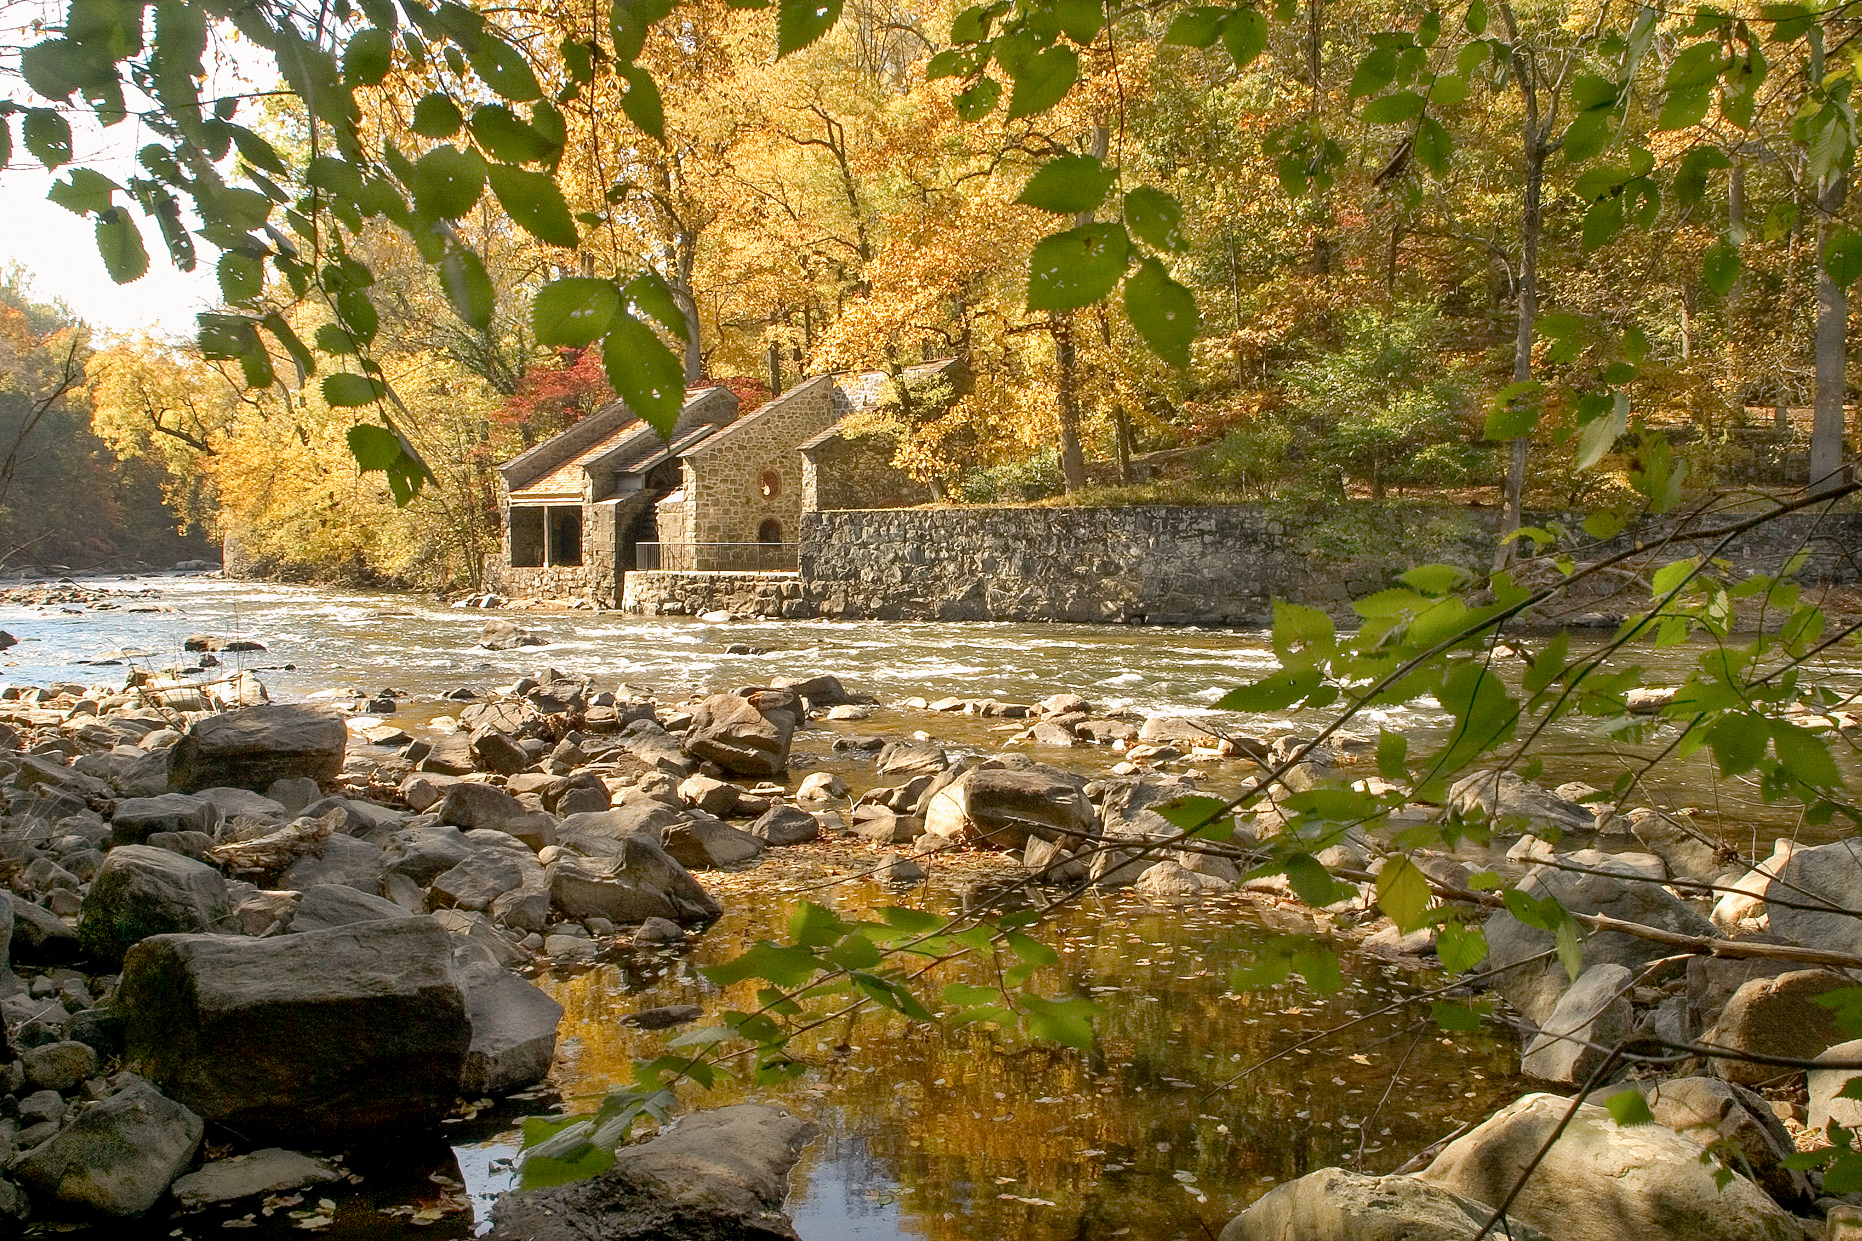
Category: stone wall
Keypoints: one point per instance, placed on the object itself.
(723, 499)
(694, 593)
(1157, 565)
(842, 472)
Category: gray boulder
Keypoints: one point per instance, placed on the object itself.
(731, 732)
(657, 748)
(630, 879)
(717, 1175)
(1829, 873)
(269, 1171)
(1776, 1016)
(1534, 987)
(1335, 1205)
(1682, 847)
(786, 825)
(140, 891)
(911, 758)
(117, 1157)
(1732, 1120)
(138, 818)
(253, 747)
(469, 806)
(36, 935)
(1000, 808)
(422, 853)
(1603, 1182)
(700, 842)
(1506, 798)
(513, 1024)
(333, 904)
(1594, 1010)
(1169, 881)
(323, 1037)
(341, 860)
(58, 1066)
(1826, 1088)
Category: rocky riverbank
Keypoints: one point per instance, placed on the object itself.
(199, 896)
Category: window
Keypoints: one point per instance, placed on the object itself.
(526, 538)
(565, 535)
(770, 485)
(770, 531)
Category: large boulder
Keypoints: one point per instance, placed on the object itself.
(141, 891)
(1507, 798)
(732, 733)
(1335, 1205)
(1594, 1013)
(1726, 1117)
(1000, 808)
(255, 746)
(468, 805)
(513, 1024)
(1777, 1016)
(1621, 891)
(718, 1175)
(324, 1037)
(138, 818)
(657, 748)
(423, 853)
(786, 825)
(117, 1157)
(329, 905)
(700, 842)
(269, 1171)
(1826, 1085)
(627, 879)
(1827, 874)
(1603, 1182)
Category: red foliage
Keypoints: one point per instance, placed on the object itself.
(554, 397)
(751, 393)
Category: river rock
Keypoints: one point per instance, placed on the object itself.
(786, 825)
(821, 786)
(1506, 796)
(254, 746)
(885, 827)
(449, 755)
(897, 868)
(329, 905)
(911, 758)
(495, 750)
(1682, 846)
(1335, 1205)
(324, 1037)
(699, 842)
(1604, 1182)
(36, 935)
(1710, 1112)
(729, 731)
(718, 1175)
(1595, 1009)
(1165, 880)
(1829, 873)
(58, 1066)
(468, 806)
(710, 795)
(118, 1156)
(137, 818)
(269, 1171)
(424, 853)
(513, 1024)
(1776, 1016)
(1743, 909)
(505, 635)
(339, 860)
(1827, 1104)
(657, 748)
(141, 891)
(631, 878)
(1534, 988)
(1000, 808)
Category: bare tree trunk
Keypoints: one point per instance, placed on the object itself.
(1067, 404)
(1826, 433)
(1531, 224)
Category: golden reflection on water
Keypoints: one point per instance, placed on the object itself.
(967, 1134)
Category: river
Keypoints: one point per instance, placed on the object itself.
(1164, 1131)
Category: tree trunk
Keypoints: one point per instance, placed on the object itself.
(688, 304)
(1067, 404)
(1121, 429)
(1531, 223)
(1826, 433)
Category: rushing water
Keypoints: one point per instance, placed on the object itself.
(1194, 1099)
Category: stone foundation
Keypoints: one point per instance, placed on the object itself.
(691, 593)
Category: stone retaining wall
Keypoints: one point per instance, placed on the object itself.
(691, 593)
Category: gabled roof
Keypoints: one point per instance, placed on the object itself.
(750, 419)
(609, 441)
(868, 389)
(565, 481)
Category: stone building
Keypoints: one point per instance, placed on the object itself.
(853, 469)
(576, 506)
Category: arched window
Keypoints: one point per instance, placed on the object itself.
(771, 487)
(770, 531)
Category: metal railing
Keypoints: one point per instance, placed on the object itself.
(718, 557)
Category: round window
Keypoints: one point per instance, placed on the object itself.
(770, 484)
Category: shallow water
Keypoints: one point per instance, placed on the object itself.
(959, 1135)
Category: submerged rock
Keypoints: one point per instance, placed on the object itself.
(717, 1175)
(269, 1171)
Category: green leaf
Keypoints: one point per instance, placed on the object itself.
(1194, 814)
(1805, 756)
(436, 116)
(1082, 20)
(241, 277)
(815, 926)
(646, 374)
(300, 356)
(55, 68)
(347, 391)
(1570, 950)
(1604, 524)
(1078, 267)
(785, 967)
(1719, 269)
(1374, 72)
(1511, 414)
(503, 67)
(1068, 1022)
(1454, 1018)
(979, 100)
(574, 311)
(373, 447)
(368, 56)
(1684, 106)
(506, 136)
(1311, 881)
(1163, 311)
(1156, 218)
(1670, 576)
(1432, 145)
(649, 292)
(1302, 634)
(1393, 109)
(1068, 184)
(535, 202)
(801, 22)
(1275, 692)
(1599, 435)
(448, 182)
(913, 922)
(642, 103)
(1320, 968)
(1042, 81)
(1460, 947)
(1842, 255)
(88, 190)
(47, 136)
(119, 241)
(468, 287)
(1403, 893)
(1392, 753)
(1199, 27)
(1434, 579)
(1448, 90)
(1244, 34)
